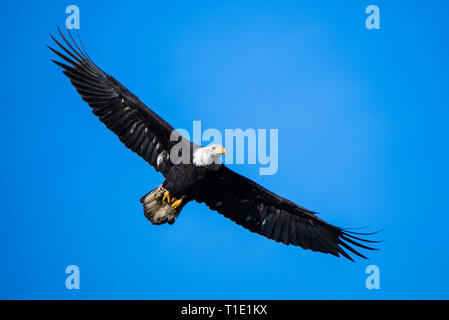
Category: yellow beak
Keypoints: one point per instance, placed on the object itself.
(223, 150)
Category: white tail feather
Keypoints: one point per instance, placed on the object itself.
(158, 211)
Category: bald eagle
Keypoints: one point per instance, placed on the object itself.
(203, 178)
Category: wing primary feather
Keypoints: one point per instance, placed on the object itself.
(68, 43)
(63, 56)
(79, 64)
(361, 233)
(360, 239)
(356, 243)
(83, 62)
(344, 254)
(84, 49)
(348, 247)
(62, 65)
(66, 50)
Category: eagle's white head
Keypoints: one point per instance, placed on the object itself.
(208, 155)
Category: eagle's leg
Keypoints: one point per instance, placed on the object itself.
(166, 196)
(176, 203)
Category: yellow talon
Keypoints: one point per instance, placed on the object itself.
(176, 203)
(166, 196)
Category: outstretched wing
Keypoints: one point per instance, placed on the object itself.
(138, 127)
(261, 211)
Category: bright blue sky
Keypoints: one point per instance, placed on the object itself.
(363, 139)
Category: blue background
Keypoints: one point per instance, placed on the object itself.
(362, 118)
